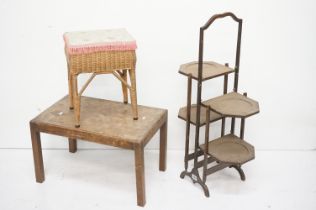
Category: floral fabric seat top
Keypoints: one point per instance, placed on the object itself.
(83, 42)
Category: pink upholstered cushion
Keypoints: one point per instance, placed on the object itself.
(82, 42)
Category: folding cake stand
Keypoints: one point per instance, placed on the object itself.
(228, 150)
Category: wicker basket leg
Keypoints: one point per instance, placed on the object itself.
(133, 93)
(76, 101)
(124, 88)
(70, 86)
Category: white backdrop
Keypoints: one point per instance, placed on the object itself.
(277, 67)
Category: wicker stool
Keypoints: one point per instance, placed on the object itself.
(100, 52)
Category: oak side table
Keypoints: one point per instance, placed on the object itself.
(105, 122)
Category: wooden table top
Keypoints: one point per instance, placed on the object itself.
(102, 118)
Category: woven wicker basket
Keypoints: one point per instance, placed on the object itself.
(101, 62)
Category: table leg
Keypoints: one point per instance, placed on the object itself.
(163, 146)
(140, 175)
(72, 145)
(37, 154)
